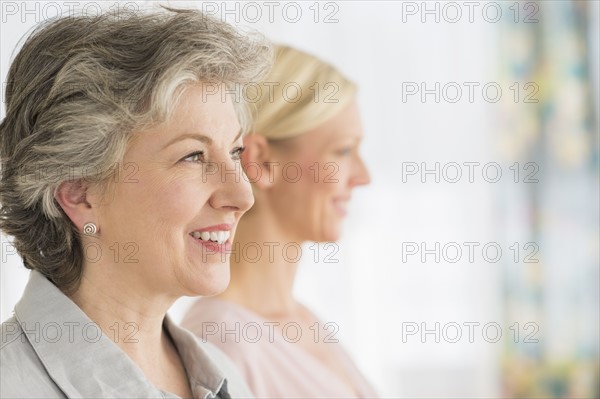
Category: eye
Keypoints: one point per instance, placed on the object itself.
(344, 151)
(237, 153)
(196, 156)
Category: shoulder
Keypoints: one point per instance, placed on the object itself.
(16, 353)
(220, 358)
(10, 331)
(235, 336)
(223, 324)
(21, 372)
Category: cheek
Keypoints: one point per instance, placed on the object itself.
(178, 197)
(304, 184)
(158, 202)
(180, 207)
(322, 178)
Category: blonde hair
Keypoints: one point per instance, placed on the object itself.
(77, 91)
(300, 93)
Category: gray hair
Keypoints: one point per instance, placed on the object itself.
(77, 90)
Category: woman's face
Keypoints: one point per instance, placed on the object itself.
(327, 166)
(173, 196)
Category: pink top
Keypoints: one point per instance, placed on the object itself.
(271, 366)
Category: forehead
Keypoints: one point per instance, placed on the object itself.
(199, 110)
(346, 125)
(204, 108)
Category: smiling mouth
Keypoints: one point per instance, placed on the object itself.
(218, 236)
(341, 204)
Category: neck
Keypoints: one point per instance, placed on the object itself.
(263, 284)
(126, 314)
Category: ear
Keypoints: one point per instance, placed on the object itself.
(72, 198)
(256, 160)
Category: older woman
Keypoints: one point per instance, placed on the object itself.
(303, 163)
(114, 127)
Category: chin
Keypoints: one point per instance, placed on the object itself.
(332, 238)
(330, 235)
(213, 290)
(212, 281)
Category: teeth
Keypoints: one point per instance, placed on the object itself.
(217, 236)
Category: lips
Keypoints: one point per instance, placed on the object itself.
(216, 227)
(340, 204)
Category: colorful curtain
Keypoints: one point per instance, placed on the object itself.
(550, 212)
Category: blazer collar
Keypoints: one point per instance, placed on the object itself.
(83, 362)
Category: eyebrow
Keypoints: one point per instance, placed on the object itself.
(197, 136)
(337, 139)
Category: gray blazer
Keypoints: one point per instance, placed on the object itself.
(51, 349)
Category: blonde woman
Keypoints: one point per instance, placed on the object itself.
(108, 132)
(303, 163)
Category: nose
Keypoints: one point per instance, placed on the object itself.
(360, 175)
(233, 190)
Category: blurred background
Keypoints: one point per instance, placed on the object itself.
(470, 266)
